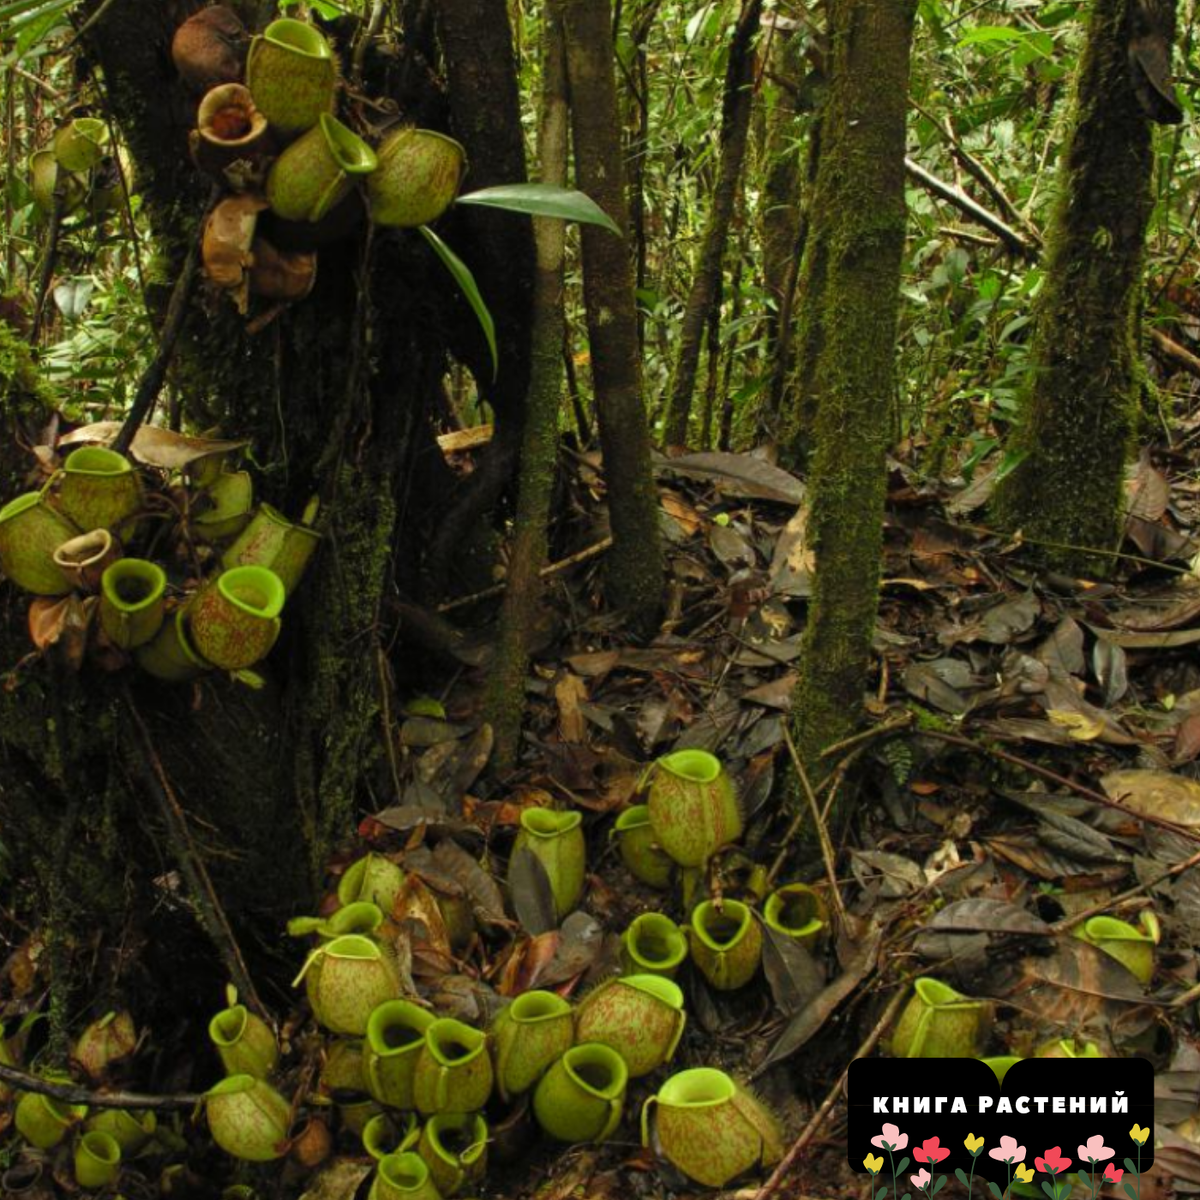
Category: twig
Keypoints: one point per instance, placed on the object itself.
(822, 831)
(88, 26)
(208, 906)
(1178, 354)
(810, 1130)
(70, 1094)
(156, 374)
(980, 173)
(1131, 894)
(890, 726)
(552, 569)
(1079, 789)
(1015, 241)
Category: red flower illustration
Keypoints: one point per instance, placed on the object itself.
(930, 1151)
(1053, 1161)
(1112, 1174)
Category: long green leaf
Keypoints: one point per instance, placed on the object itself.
(470, 289)
(16, 8)
(543, 200)
(991, 33)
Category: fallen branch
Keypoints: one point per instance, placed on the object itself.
(953, 739)
(70, 1094)
(1179, 355)
(811, 1130)
(552, 569)
(1017, 243)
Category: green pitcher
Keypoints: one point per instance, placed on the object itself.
(132, 1130)
(454, 1071)
(110, 1040)
(389, 1133)
(97, 1159)
(403, 1177)
(531, 1033)
(84, 559)
(170, 655)
(796, 911)
(46, 176)
(372, 878)
(292, 75)
(454, 1148)
(652, 945)
(99, 488)
(939, 1022)
(347, 979)
(245, 1042)
(726, 943)
(248, 1118)
(639, 848)
(43, 1121)
(418, 177)
(316, 172)
(1129, 945)
(641, 1017)
(556, 840)
(581, 1097)
(693, 806)
(235, 620)
(709, 1128)
(30, 532)
(222, 508)
(132, 602)
(271, 540)
(81, 144)
(395, 1035)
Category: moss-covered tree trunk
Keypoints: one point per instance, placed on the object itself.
(856, 240)
(335, 396)
(635, 570)
(1066, 494)
(505, 700)
(706, 281)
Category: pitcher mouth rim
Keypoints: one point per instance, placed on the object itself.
(697, 1075)
(320, 48)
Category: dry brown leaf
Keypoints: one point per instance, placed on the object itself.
(1156, 793)
(154, 446)
(569, 692)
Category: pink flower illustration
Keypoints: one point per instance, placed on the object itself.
(891, 1138)
(1052, 1162)
(1112, 1173)
(1008, 1151)
(921, 1179)
(1095, 1151)
(930, 1151)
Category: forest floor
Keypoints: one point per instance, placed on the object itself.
(1030, 762)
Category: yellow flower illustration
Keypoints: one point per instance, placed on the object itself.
(973, 1143)
(1139, 1134)
(1025, 1174)
(873, 1163)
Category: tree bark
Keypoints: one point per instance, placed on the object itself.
(635, 571)
(706, 282)
(505, 700)
(857, 236)
(1066, 495)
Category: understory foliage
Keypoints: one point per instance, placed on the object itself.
(843, 432)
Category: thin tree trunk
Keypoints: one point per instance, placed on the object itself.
(735, 134)
(506, 683)
(1067, 493)
(858, 223)
(635, 569)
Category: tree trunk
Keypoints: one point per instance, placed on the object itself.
(334, 396)
(857, 236)
(635, 570)
(1066, 495)
(706, 283)
(505, 702)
